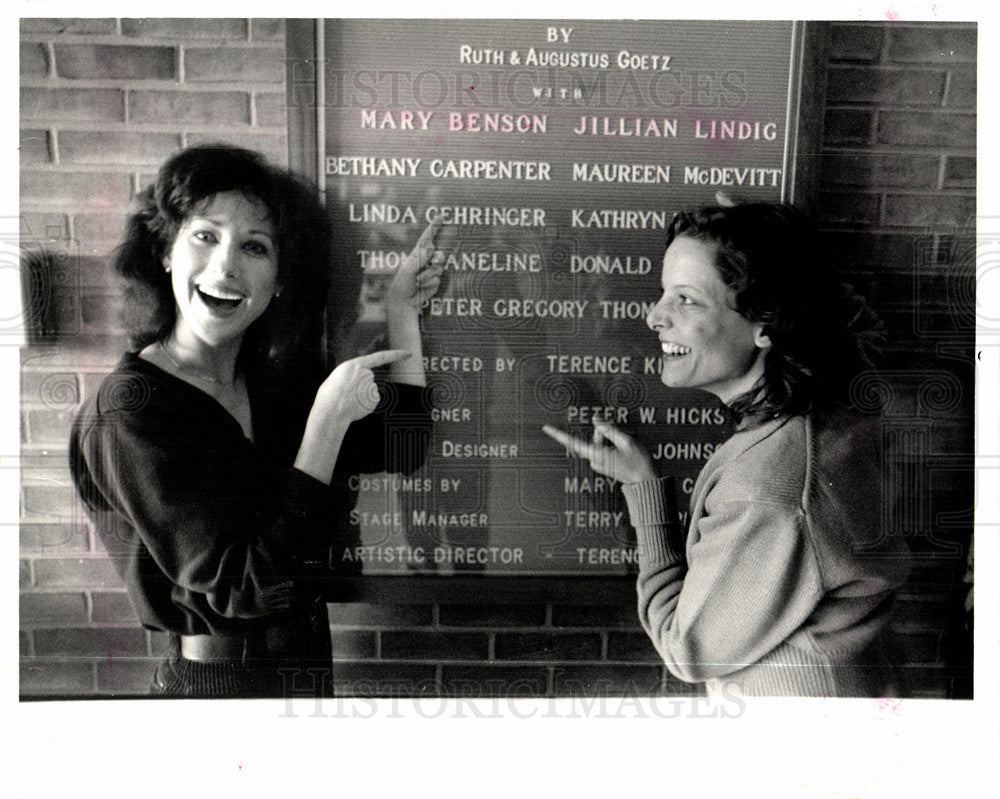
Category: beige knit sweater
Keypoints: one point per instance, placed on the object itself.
(786, 582)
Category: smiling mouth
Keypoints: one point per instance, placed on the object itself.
(674, 350)
(220, 299)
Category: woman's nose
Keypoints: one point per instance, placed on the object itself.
(224, 259)
(658, 317)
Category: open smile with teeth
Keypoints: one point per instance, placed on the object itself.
(669, 348)
(220, 298)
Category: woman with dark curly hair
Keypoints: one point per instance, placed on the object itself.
(213, 460)
(785, 581)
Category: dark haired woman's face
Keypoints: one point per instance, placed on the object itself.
(223, 267)
(704, 342)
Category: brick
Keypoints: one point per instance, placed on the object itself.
(384, 679)
(548, 646)
(120, 148)
(106, 643)
(50, 427)
(415, 645)
(54, 539)
(491, 616)
(58, 390)
(125, 676)
(274, 147)
(927, 130)
(914, 647)
(55, 263)
(929, 211)
(270, 109)
(607, 680)
(96, 275)
(959, 172)
(115, 62)
(111, 607)
(848, 126)
(595, 616)
(24, 643)
(91, 230)
(184, 29)
(74, 26)
(203, 108)
(43, 608)
(366, 614)
(76, 189)
(24, 576)
(494, 681)
(100, 311)
(245, 64)
(919, 614)
(855, 42)
(854, 208)
(265, 30)
(115, 547)
(54, 314)
(962, 89)
(91, 383)
(45, 501)
(72, 105)
(76, 572)
(353, 644)
(879, 251)
(48, 677)
(34, 60)
(159, 643)
(895, 171)
(884, 86)
(632, 648)
(33, 147)
(39, 227)
(932, 44)
(147, 179)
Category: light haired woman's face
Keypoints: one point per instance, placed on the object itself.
(704, 343)
(223, 268)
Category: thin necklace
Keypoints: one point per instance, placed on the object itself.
(193, 372)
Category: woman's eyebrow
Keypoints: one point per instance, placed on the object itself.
(218, 222)
(686, 287)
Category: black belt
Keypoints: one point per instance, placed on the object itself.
(233, 647)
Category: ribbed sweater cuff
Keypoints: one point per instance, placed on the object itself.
(652, 509)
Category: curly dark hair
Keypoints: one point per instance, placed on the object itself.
(770, 256)
(290, 330)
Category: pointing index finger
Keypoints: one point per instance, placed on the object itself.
(572, 444)
(383, 357)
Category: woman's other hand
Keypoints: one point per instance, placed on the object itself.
(415, 282)
(349, 392)
(611, 453)
(419, 274)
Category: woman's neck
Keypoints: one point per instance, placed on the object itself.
(216, 364)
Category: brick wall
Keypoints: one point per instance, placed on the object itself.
(104, 100)
(897, 201)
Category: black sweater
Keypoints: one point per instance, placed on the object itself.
(210, 532)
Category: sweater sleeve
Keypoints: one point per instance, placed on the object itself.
(749, 582)
(225, 534)
(392, 439)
